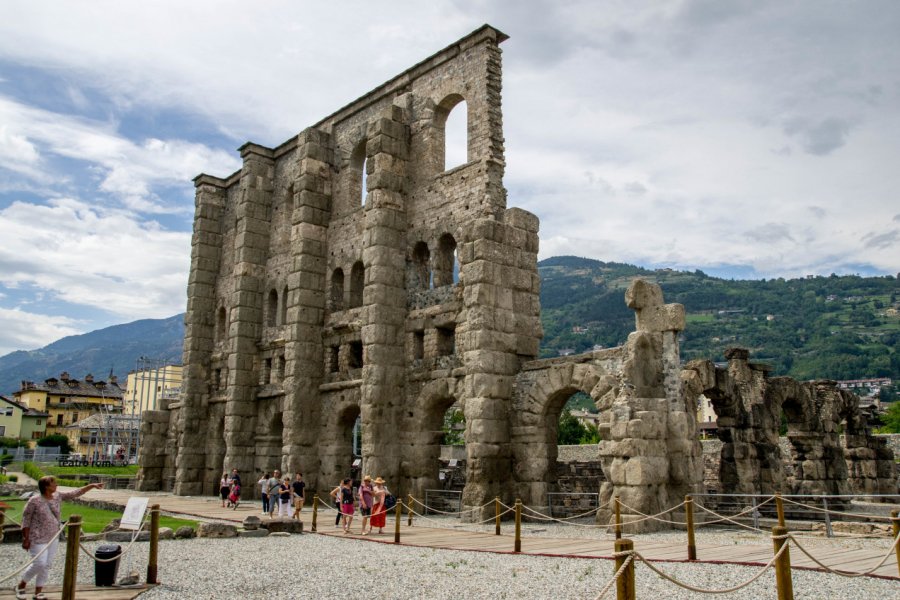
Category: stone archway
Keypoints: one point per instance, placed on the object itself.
(538, 399)
(423, 446)
(336, 447)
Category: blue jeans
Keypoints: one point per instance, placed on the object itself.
(265, 503)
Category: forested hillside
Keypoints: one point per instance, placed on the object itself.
(819, 327)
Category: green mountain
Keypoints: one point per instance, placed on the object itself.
(114, 349)
(818, 327)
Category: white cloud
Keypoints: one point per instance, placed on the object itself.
(100, 258)
(28, 330)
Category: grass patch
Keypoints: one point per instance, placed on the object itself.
(124, 471)
(93, 520)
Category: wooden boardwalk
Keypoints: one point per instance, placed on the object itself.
(84, 592)
(833, 554)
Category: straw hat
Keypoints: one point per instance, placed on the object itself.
(379, 481)
(367, 478)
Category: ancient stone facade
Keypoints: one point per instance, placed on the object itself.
(312, 305)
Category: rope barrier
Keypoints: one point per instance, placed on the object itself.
(647, 517)
(724, 518)
(849, 574)
(426, 518)
(565, 521)
(34, 558)
(615, 576)
(692, 588)
(838, 512)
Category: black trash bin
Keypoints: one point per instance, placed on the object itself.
(105, 572)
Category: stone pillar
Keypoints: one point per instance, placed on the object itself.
(191, 476)
(304, 361)
(251, 245)
(384, 294)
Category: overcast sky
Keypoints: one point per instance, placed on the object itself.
(746, 139)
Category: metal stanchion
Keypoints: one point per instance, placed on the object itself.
(625, 583)
(398, 514)
(497, 513)
(618, 520)
(70, 572)
(517, 547)
(689, 518)
(782, 565)
(779, 507)
(315, 512)
(409, 510)
(153, 560)
(895, 527)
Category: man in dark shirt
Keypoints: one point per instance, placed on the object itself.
(299, 487)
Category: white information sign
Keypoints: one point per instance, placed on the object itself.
(134, 513)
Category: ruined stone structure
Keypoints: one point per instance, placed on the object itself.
(311, 304)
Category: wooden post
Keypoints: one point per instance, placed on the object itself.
(398, 514)
(618, 520)
(2, 521)
(782, 565)
(895, 526)
(409, 510)
(517, 546)
(315, 512)
(70, 573)
(625, 583)
(779, 507)
(689, 517)
(497, 517)
(153, 561)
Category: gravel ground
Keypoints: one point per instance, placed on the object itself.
(312, 566)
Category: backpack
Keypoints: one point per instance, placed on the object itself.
(389, 501)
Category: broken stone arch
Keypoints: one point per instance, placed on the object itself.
(537, 402)
(423, 445)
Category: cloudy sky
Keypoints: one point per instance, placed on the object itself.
(746, 139)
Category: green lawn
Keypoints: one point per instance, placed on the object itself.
(126, 471)
(93, 520)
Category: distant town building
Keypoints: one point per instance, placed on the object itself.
(68, 400)
(873, 386)
(705, 411)
(17, 421)
(578, 330)
(145, 389)
(104, 436)
(566, 351)
(586, 418)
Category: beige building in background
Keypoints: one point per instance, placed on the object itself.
(144, 389)
(17, 421)
(68, 400)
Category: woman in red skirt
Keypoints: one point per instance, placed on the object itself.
(379, 514)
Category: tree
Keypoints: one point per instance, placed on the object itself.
(56, 440)
(454, 428)
(571, 432)
(891, 419)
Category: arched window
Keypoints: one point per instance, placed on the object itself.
(452, 125)
(337, 290)
(358, 167)
(420, 268)
(357, 281)
(272, 309)
(284, 303)
(221, 324)
(446, 268)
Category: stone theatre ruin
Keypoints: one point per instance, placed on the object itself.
(346, 276)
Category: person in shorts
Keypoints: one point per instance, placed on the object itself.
(366, 500)
(299, 494)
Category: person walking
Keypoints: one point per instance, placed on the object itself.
(284, 497)
(336, 497)
(40, 530)
(379, 513)
(263, 484)
(299, 494)
(274, 483)
(345, 494)
(225, 488)
(366, 501)
(235, 496)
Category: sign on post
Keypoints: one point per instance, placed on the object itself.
(134, 513)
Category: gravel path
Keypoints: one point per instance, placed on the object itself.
(313, 566)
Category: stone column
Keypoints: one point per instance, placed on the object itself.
(191, 477)
(384, 295)
(304, 361)
(251, 245)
